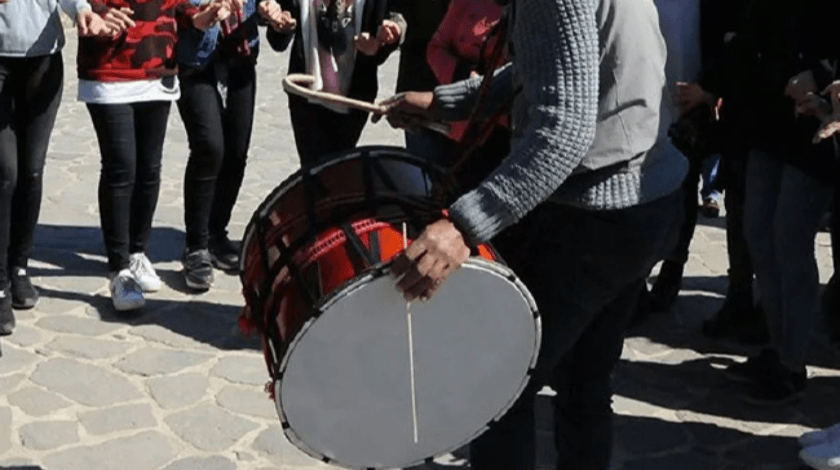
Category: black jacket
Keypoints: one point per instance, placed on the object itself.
(364, 84)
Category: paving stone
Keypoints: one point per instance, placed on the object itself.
(202, 463)
(682, 461)
(45, 435)
(165, 336)
(178, 391)
(24, 336)
(37, 402)
(118, 418)
(9, 383)
(150, 361)
(100, 386)
(145, 451)
(5, 429)
(15, 360)
(208, 427)
(273, 445)
(253, 402)
(89, 348)
(643, 436)
(78, 325)
(244, 370)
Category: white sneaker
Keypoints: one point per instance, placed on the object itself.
(143, 272)
(126, 292)
(822, 456)
(822, 436)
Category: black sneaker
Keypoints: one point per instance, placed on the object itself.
(24, 294)
(198, 269)
(7, 316)
(224, 253)
(754, 368)
(777, 386)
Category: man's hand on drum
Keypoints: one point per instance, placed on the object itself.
(429, 260)
(280, 21)
(408, 110)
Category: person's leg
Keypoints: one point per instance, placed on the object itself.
(37, 106)
(666, 288)
(738, 315)
(200, 108)
(9, 69)
(114, 125)
(802, 202)
(583, 404)
(150, 131)
(579, 263)
(238, 124)
(320, 132)
(115, 131)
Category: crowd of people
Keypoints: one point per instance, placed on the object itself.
(599, 118)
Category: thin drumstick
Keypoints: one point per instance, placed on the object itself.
(411, 351)
(298, 84)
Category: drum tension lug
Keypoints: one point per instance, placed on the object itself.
(536, 313)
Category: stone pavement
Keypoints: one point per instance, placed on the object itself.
(177, 388)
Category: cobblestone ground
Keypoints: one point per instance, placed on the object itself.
(177, 388)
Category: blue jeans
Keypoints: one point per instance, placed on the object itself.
(782, 213)
(586, 270)
(429, 145)
(709, 173)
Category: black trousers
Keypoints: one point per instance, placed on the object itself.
(585, 270)
(30, 93)
(219, 134)
(131, 145)
(320, 131)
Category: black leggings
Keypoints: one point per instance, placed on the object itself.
(30, 93)
(131, 143)
(320, 131)
(219, 137)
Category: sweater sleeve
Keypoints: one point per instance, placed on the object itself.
(556, 58)
(73, 7)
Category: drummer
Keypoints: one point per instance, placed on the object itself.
(603, 186)
(342, 47)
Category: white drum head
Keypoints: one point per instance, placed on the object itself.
(346, 397)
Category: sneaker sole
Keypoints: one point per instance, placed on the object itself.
(130, 307)
(24, 305)
(197, 285)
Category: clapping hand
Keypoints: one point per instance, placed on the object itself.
(89, 23)
(387, 34)
(280, 20)
(831, 123)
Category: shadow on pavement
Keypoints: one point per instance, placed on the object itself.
(701, 386)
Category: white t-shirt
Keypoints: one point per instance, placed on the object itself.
(95, 92)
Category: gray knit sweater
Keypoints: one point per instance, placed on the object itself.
(587, 129)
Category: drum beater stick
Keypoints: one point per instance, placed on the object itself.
(411, 351)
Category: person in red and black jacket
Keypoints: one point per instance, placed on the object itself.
(128, 81)
(344, 62)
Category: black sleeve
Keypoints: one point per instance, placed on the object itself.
(280, 41)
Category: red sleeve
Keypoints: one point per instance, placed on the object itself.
(439, 54)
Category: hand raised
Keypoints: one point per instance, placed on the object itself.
(280, 20)
(119, 20)
(388, 33)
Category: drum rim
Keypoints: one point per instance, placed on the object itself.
(295, 178)
(358, 282)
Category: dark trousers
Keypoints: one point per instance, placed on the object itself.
(131, 144)
(30, 93)
(734, 169)
(586, 270)
(320, 131)
(219, 135)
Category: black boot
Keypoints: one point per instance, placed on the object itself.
(665, 290)
(7, 316)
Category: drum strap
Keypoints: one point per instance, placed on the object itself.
(478, 128)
